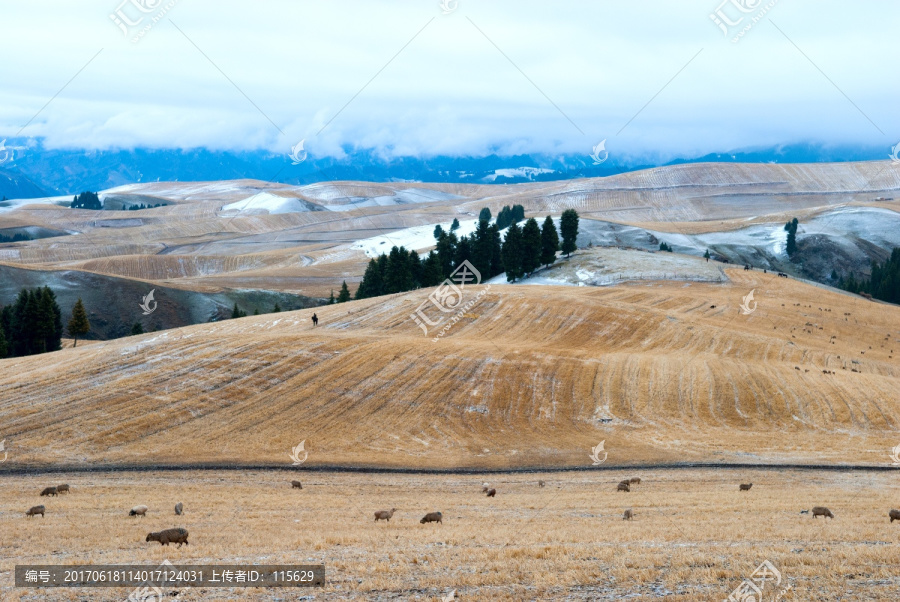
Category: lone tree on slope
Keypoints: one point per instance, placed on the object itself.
(344, 295)
(78, 324)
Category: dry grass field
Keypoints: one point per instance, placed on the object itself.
(693, 537)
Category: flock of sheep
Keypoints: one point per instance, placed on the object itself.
(164, 537)
(180, 536)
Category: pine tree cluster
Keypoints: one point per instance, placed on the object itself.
(31, 325)
(884, 283)
(521, 252)
(87, 200)
(18, 237)
(143, 206)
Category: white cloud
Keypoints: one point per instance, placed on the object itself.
(450, 91)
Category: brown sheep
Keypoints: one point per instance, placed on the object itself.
(540, 483)
(40, 510)
(385, 515)
(138, 511)
(745, 486)
(894, 514)
(296, 485)
(628, 515)
(49, 491)
(635, 480)
(821, 511)
(491, 492)
(623, 486)
(168, 536)
(62, 489)
(179, 508)
(432, 517)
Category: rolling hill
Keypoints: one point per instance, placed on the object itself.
(662, 372)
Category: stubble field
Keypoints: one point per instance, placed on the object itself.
(694, 535)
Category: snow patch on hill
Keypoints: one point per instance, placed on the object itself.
(416, 238)
(266, 202)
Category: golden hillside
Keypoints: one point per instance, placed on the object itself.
(531, 376)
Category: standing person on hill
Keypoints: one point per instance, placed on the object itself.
(315, 320)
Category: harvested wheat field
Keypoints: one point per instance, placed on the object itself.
(531, 376)
(693, 536)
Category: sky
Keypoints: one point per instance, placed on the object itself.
(655, 78)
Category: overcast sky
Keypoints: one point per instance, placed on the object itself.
(654, 78)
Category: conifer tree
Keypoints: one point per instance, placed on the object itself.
(484, 214)
(344, 294)
(438, 231)
(276, 309)
(568, 226)
(531, 246)
(431, 270)
(331, 298)
(3, 345)
(455, 225)
(137, 329)
(78, 323)
(549, 242)
(512, 253)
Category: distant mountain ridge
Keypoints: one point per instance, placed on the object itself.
(36, 172)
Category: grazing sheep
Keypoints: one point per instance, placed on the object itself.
(485, 487)
(432, 517)
(49, 491)
(623, 486)
(745, 486)
(296, 485)
(138, 511)
(894, 514)
(385, 515)
(62, 488)
(40, 510)
(540, 483)
(179, 508)
(168, 536)
(821, 511)
(491, 492)
(628, 515)
(635, 480)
